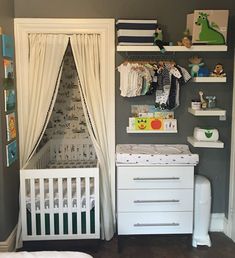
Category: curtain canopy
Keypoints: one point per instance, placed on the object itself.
(37, 96)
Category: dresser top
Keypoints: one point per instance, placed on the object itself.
(150, 154)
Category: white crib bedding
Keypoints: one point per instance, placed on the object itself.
(74, 196)
(148, 154)
(72, 164)
(45, 254)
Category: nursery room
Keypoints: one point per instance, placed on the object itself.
(117, 129)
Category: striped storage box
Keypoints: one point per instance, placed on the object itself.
(136, 32)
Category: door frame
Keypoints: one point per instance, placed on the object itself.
(106, 28)
(230, 231)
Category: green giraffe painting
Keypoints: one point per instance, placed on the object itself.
(208, 32)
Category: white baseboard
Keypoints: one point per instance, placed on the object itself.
(218, 223)
(9, 244)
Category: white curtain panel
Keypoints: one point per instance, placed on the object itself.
(46, 53)
(36, 96)
(87, 54)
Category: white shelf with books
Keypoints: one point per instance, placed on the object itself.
(128, 130)
(205, 144)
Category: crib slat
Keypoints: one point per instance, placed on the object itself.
(87, 195)
(33, 213)
(60, 210)
(78, 188)
(42, 206)
(51, 205)
(69, 199)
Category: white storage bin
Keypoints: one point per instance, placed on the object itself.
(202, 209)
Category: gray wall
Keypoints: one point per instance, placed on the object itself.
(9, 177)
(214, 163)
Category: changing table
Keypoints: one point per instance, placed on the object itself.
(155, 189)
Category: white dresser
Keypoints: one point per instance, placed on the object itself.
(155, 199)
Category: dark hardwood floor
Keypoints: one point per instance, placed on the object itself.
(148, 246)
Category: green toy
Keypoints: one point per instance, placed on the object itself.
(208, 32)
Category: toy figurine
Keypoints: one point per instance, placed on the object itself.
(196, 63)
(218, 71)
(186, 40)
(158, 39)
(203, 102)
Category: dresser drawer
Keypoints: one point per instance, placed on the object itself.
(155, 223)
(155, 177)
(155, 200)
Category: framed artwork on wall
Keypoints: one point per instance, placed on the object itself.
(8, 68)
(11, 126)
(7, 46)
(12, 154)
(10, 100)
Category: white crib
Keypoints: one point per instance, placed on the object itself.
(60, 192)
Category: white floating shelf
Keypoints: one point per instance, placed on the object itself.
(209, 79)
(204, 144)
(148, 131)
(207, 112)
(137, 48)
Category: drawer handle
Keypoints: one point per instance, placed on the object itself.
(155, 201)
(156, 224)
(155, 178)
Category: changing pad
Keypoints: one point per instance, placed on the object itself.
(148, 154)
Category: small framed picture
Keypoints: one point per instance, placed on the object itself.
(12, 153)
(7, 46)
(10, 100)
(8, 68)
(11, 126)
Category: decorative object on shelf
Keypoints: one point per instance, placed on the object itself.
(218, 71)
(211, 101)
(12, 153)
(196, 104)
(186, 40)
(7, 46)
(195, 65)
(203, 102)
(203, 134)
(203, 72)
(136, 32)
(208, 26)
(158, 39)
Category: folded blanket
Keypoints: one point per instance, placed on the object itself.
(45, 254)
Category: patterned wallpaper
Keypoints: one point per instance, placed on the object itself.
(67, 119)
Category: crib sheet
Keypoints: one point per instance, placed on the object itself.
(154, 154)
(64, 193)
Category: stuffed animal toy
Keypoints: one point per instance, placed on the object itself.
(158, 39)
(218, 71)
(196, 63)
(186, 40)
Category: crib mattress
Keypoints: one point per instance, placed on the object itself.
(72, 164)
(154, 154)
